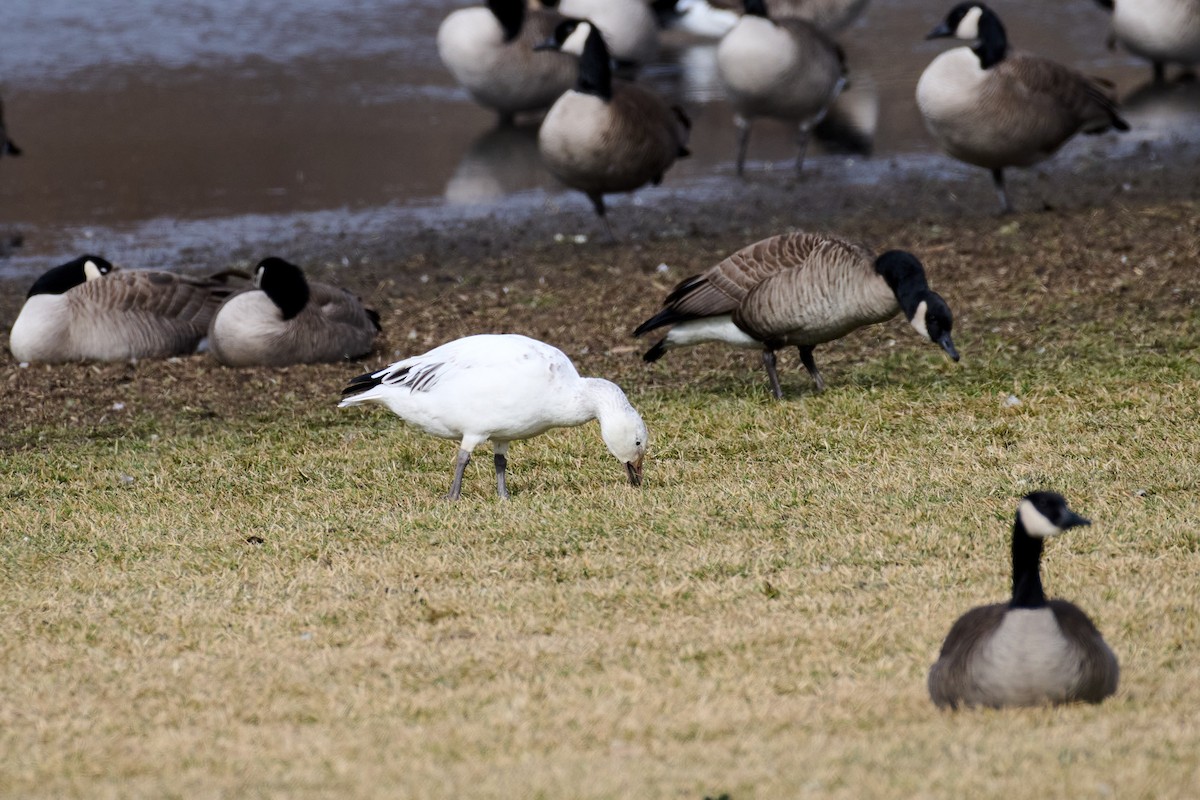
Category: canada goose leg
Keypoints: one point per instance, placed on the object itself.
(464, 457)
(602, 212)
(500, 449)
(743, 141)
(801, 147)
(1160, 72)
(769, 363)
(806, 357)
(998, 181)
(505, 119)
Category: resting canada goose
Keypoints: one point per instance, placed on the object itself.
(786, 69)
(629, 27)
(489, 50)
(995, 109)
(87, 310)
(500, 388)
(287, 320)
(1028, 651)
(717, 17)
(7, 146)
(607, 135)
(1160, 31)
(799, 289)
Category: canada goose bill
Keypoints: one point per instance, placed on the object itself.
(995, 109)
(799, 289)
(501, 388)
(1029, 650)
(783, 69)
(490, 52)
(604, 135)
(285, 320)
(88, 310)
(1160, 31)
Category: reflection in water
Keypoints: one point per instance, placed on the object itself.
(850, 125)
(1164, 107)
(498, 163)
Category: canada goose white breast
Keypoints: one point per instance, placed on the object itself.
(245, 326)
(787, 70)
(1159, 30)
(628, 26)
(576, 134)
(1027, 660)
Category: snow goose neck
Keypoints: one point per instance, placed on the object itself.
(499, 388)
(799, 289)
(607, 135)
(1028, 651)
(993, 108)
(287, 320)
(88, 310)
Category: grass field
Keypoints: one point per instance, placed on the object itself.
(216, 584)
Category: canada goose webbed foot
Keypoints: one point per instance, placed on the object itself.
(460, 466)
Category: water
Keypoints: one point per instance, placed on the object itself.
(154, 126)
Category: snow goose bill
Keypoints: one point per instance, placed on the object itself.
(501, 388)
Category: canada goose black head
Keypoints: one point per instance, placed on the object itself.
(284, 283)
(581, 38)
(1040, 516)
(510, 14)
(67, 276)
(756, 8)
(975, 22)
(924, 308)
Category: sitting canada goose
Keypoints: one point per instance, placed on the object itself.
(786, 69)
(995, 109)
(500, 388)
(7, 146)
(1160, 31)
(717, 17)
(87, 310)
(287, 320)
(489, 50)
(1028, 651)
(606, 135)
(800, 289)
(629, 27)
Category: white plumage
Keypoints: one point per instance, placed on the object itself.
(499, 388)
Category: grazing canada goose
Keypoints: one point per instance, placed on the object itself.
(489, 50)
(715, 18)
(1028, 651)
(606, 135)
(799, 289)
(629, 27)
(499, 388)
(7, 146)
(87, 310)
(1160, 31)
(287, 320)
(786, 69)
(995, 109)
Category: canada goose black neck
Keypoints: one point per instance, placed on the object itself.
(510, 14)
(993, 41)
(756, 8)
(905, 276)
(67, 276)
(595, 68)
(285, 284)
(1027, 569)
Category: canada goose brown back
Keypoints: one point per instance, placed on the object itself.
(1030, 650)
(607, 135)
(995, 109)
(1160, 31)
(784, 69)
(7, 146)
(800, 289)
(288, 320)
(86, 310)
(490, 52)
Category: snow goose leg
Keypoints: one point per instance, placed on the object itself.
(460, 465)
(806, 356)
(769, 363)
(743, 141)
(499, 452)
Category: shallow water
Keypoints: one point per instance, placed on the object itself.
(154, 127)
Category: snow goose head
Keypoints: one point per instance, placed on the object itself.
(621, 427)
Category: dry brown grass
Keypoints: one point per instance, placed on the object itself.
(230, 588)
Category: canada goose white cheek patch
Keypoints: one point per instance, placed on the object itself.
(1035, 522)
(918, 320)
(91, 270)
(968, 27)
(574, 43)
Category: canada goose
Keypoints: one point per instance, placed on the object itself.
(1028, 651)
(607, 136)
(287, 320)
(498, 388)
(995, 109)
(1160, 31)
(786, 69)
(717, 17)
(489, 50)
(800, 289)
(629, 27)
(7, 146)
(87, 310)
